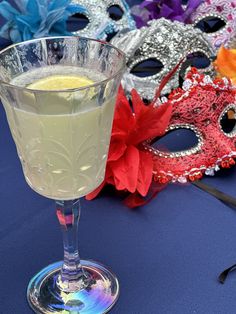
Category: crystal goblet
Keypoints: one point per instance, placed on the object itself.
(59, 95)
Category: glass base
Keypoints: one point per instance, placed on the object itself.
(98, 297)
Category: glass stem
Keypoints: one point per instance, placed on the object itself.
(72, 276)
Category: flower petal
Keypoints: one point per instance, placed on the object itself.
(151, 121)
(168, 12)
(135, 200)
(7, 10)
(47, 24)
(226, 62)
(59, 28)
(5, 30)
(123, 119)
(170, 9)
(58, 4)
(22, 5)
(116, 150)
(145, 173)
(125, 170)
(15, 35)
(28, 21)
(34, 5)
(191, 7)
(27, 34)
(138, 105)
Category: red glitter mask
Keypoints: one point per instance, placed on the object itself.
(199, 106)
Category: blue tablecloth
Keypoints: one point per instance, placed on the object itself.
(167, 254)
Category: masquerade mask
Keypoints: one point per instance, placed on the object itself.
(201, 106)
(232, 43)
(103, 18)
(216, 18)
(153, 51)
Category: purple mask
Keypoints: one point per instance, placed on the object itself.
(217, 18)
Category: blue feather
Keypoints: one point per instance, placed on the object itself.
(7, 10)
(36, 18)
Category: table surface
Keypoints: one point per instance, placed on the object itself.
(167, 254)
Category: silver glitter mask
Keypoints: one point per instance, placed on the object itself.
(102, 20)
(164, 44)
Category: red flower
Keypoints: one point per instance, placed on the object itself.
(129, 168)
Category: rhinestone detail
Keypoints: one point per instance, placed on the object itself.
(169, 42)
(100, 24)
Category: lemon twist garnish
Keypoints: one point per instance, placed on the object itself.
(60, 82)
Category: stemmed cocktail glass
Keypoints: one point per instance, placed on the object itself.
(59, 95)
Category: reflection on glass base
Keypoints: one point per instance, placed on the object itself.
(99, 296)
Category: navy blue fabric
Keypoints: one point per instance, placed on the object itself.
(167, 254)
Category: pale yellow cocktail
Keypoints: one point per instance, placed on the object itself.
(63, 155)
(59, 97)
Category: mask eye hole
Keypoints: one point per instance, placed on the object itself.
(111, 35)
(210, 24)
(77, 22)
(172, 141)
(198, 60)
(147, 68)
(228, 122)
(115, 12)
